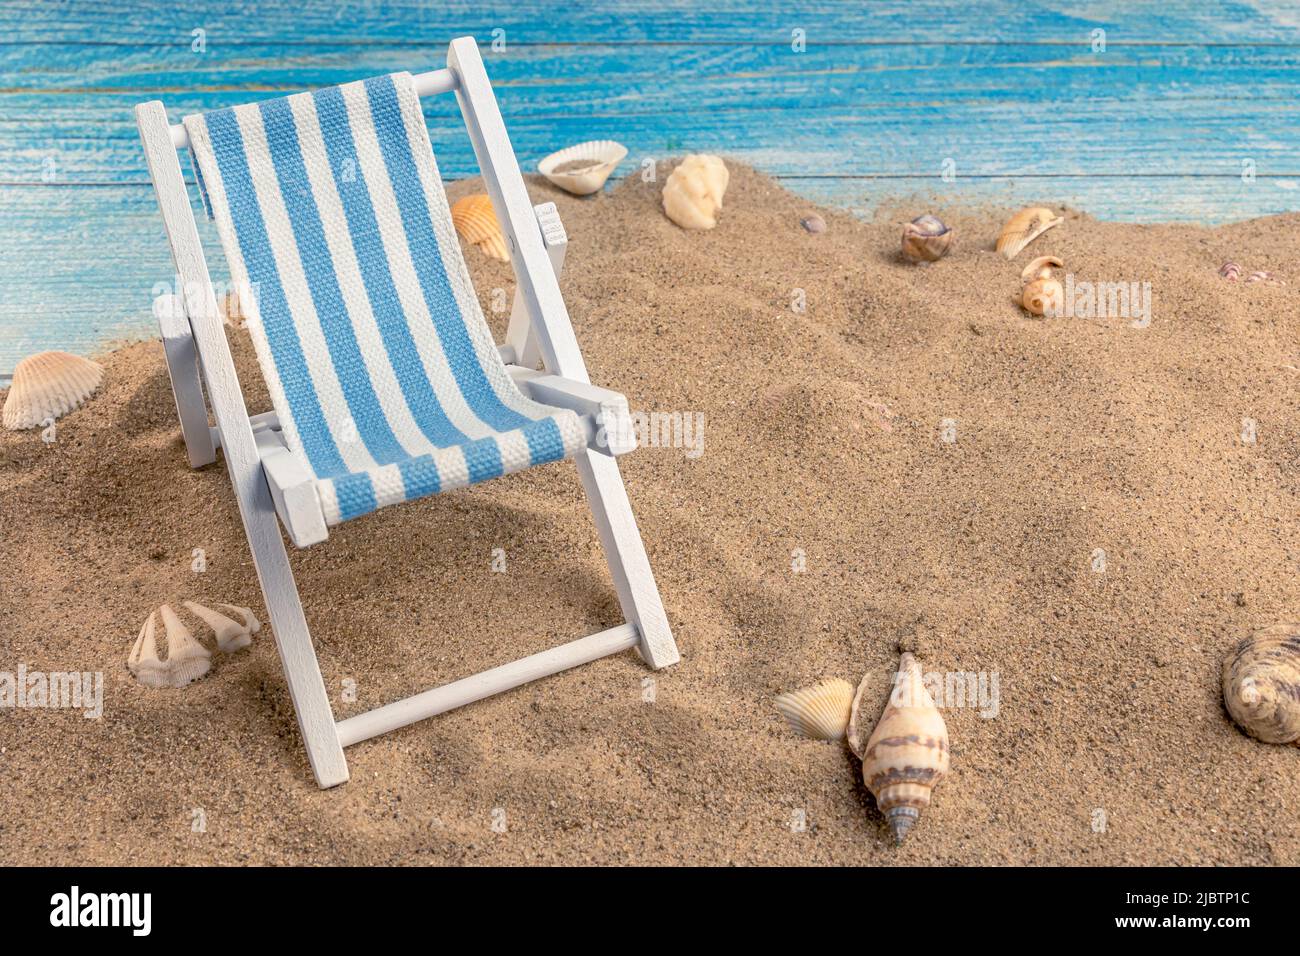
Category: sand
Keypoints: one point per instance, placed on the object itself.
(824, 438)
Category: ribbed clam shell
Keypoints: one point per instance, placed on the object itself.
(1024, 227)
(1261, 684)
(926, 239)
(601, 156)
(477, 223)
(907, 753)
(820, 711)
(47, 385)
(187, 659)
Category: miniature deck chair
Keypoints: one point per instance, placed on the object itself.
(384, 377)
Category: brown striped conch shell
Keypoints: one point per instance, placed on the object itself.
(926, 239)
(1040, 292)
(693, 193)
(477, 223)
(1261, 684)
(583, 169)
(47, 385)
(1024, 227)
(821, 711)
(907, 754)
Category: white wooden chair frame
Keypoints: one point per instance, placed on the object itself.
(269, 482)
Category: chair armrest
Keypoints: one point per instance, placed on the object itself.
(292, 489)
(612, 433)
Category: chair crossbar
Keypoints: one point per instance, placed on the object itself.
(467, 690)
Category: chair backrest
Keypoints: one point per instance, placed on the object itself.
(330, 207)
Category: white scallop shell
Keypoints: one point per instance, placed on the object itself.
(821, 711)
(604, 156)
(47, 385)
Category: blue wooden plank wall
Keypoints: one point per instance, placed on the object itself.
(1177, 110)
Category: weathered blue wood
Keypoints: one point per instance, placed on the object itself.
(1156, 127)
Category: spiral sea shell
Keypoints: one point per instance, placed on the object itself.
(1261, 684)
(477, 223)
(693, 192)
(907, 754)
(821, 711)
(1024, 227)
(926, 239)
(1040, 292)
(1230, 271)
(47, 385)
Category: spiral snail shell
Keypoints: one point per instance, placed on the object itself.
(1040, 292)
(1261, 684)
(907, 754)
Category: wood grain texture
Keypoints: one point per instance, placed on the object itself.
(1156, 127)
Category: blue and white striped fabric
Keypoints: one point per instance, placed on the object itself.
(381, 368)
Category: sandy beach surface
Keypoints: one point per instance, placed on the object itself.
(1097, 534)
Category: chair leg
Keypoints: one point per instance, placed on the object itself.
(633, 580)
(183, 370)
(293, 641)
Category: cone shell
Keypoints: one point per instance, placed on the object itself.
(693, 193)
(47, 385)
(477, 223)
(1024, 227)
(601, 156)
(907, 753)
(926, 239)
(820, 712)
(1261, 684)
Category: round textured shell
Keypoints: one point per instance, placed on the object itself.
(1261, 684)
(820, 712)
(477, 223)
(1024, 227)
(601, 158)
(926, 239)
(47, 385)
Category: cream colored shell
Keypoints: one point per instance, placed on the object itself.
(477, 223)
(693, 193)
(821, 711)
(47, 385)
(1024, 227)
(1040, 291)
(907, 753)
(187, 659)
(1261, 684)
(601, 157)
(926, 239)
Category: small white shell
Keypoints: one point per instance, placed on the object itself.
(47, 385)
(187, 659)
(600, 157)
(231, 635)
(693, 192)
(1024, 227)
(821, 711)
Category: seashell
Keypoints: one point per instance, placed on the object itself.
(1261, 684)
(583, 169)
(1024, 227)
(47, 385)
(1230, 271)
(821, 711)
(814, 224)
(693, 192)
(907, 754)
(477, 223)
(926, 239)
(1040, 292)
(231, 635)
(187, 659)
(1264, 277)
